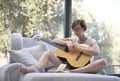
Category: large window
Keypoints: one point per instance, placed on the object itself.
(102, 18)
(52, 19)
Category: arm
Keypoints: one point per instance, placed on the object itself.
(62, 41)
(66, 42)
(93, 50)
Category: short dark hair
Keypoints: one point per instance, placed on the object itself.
(80, 22)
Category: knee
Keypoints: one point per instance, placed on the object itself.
(103, 62)
(48, 53)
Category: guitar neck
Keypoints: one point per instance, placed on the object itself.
(62, 47)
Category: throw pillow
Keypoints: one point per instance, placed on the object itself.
(37, 50)
(22, 56)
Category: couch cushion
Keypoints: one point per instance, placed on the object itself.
(37, 50)
(22, 56)
(67, 77)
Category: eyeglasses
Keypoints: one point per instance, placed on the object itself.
(77, 29)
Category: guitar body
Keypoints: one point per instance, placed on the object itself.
(82, 58)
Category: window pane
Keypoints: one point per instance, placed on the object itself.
(51, 23)
(102, 18)
(30, 17)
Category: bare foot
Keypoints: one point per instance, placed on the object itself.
(24, 70)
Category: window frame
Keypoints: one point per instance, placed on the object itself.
(68, 18)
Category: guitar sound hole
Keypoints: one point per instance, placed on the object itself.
(79, 56)
(66, 49)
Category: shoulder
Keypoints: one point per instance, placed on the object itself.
(90, 41)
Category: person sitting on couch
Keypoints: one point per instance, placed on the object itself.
(79, 27)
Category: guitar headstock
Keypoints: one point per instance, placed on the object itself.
(37, 37)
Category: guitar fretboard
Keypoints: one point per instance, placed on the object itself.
(62, 47)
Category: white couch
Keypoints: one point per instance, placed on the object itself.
(10, 72)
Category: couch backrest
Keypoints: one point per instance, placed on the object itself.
(30, 42)
(18, 42)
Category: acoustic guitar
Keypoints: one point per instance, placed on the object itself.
(76, 59)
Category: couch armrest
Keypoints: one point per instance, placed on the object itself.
(10, 72)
